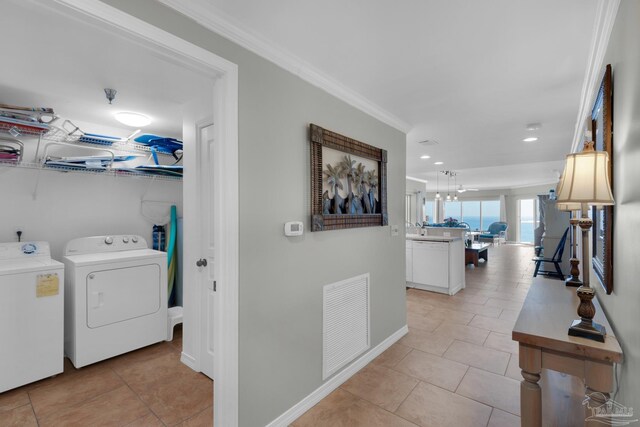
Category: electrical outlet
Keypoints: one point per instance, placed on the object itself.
(395, 230)
(17, 228)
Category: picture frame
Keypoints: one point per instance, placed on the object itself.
(602, 134)
(323, 140)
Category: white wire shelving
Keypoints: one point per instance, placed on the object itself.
(59, 136)
(102, 172)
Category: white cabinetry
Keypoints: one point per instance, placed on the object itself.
(409, 261)
(436, 265)
(431, 264)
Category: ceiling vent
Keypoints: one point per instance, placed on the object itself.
(428, 142)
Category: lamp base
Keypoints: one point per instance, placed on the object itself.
(573, 282)
(589, 330)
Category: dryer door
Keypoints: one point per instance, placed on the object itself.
(121, 294)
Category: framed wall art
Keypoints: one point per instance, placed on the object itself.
(348, 182)
(602, 134)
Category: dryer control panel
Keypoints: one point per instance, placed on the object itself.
(109, 243)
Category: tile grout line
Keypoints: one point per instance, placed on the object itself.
(407, 396)
(80, 403)
(461, 379)
(73, 404)
(380, 407)
(139, 398)
(191, 417)
(490, 415)
(403, 357)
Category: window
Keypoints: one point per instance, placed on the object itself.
(490, 213)
(453, 210)
(471, 214)
(429, 212)
(527, 220)
(478, 214)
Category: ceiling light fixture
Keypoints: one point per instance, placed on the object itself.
(132, 119)
(455, 184)
(425, 157)
(530, 139)
(110, 94)
(438, 163)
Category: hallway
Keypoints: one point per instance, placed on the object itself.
(457, 366)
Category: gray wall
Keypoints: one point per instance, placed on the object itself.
(281, 278)
(621, 306)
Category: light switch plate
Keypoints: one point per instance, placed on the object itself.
(395, 230)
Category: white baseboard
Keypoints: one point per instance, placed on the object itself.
(189, 361)
(334, 382)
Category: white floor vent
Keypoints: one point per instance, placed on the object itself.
(345, 323)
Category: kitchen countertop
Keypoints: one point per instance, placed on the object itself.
(432, 238)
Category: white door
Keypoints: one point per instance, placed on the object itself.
(207, 152)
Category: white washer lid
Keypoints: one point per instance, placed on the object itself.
(112, 257)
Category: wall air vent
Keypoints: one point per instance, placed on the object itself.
(428, 142)
(345, 329)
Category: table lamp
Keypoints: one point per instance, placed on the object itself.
(585, 181)
(574, 276)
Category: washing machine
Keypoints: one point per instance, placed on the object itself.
(116, 297)
(31, 314)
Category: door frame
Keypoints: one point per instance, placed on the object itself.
(225, 117)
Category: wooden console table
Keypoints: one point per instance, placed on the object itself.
(541, 330)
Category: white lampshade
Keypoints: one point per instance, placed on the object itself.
(585, 180)
(568, 207)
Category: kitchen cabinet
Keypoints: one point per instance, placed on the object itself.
(437, 263)
(409, 261)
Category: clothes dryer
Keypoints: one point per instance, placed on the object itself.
(116, 297)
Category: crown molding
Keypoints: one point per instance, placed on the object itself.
(220, 23)
(602, 27)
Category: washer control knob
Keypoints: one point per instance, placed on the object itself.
(134, 239)
(125, 239)
(108, 240)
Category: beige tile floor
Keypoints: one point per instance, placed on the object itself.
(148, 387)
(456, 367)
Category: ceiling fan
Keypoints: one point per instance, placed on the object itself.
(462, 190)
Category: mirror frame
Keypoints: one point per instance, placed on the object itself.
(602, 134)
